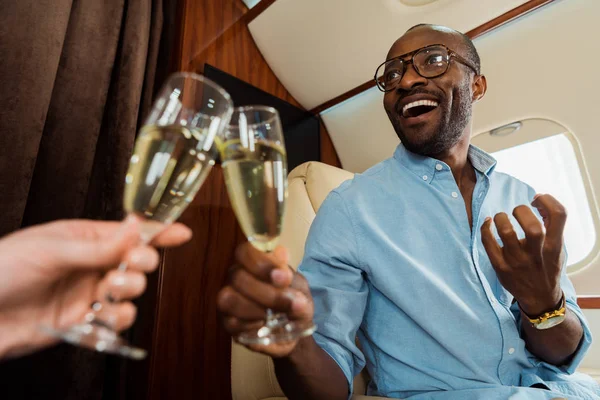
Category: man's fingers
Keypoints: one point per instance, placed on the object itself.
(238, 317)
(262, 265)
(233, 304)
(300, 283)
(283, 275)
(302, 307)
(554, 215)
(534, 231)
(258, 291)
(492, 248)
(175, 235)
(235, 325)
(510, 240)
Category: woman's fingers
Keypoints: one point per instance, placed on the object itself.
(175, 235)
(142, 258)
(121, 285)
(118, 316)
(124, 316)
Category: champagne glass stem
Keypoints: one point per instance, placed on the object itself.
(274, 319)
(270, 317)
(98, 306)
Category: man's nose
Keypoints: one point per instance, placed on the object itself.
(411, 79)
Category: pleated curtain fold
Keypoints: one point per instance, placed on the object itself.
(76, 78)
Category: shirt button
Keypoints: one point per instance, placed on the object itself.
(454, 194)
(511, 350)
(439, 167)
(424, 177)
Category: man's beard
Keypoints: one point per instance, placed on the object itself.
(451, 127)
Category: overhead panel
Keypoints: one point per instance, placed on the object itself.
(360, 131)
(320, 49)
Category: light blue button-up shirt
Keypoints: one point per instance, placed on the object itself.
(391, 258)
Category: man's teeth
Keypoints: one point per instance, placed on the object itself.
(430, 103)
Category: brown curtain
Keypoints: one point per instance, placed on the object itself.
(76, 76)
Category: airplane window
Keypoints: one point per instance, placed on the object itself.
(550, 166)
(251, 3)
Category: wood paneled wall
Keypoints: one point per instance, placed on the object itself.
(190, 352)
(232, 51)
(190, 356)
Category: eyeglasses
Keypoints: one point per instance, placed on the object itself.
(429, 62)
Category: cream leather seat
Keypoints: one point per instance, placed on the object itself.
(252, 374)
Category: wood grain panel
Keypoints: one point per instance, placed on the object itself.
(190, 353)
(235, 53)
(487, 27)
(328, 153)
(507, 17)
(589, 302)
(202, 23)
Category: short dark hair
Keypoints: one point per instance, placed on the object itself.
(472, 54)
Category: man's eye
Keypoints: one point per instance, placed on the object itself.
(390, 76)
(433, 60)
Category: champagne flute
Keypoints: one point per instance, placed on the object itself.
(173, 154)
(255, 169)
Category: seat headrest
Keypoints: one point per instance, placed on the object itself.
(320, 179)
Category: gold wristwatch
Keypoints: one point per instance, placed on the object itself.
(551, 318)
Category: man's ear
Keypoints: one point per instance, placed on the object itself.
(479, 87)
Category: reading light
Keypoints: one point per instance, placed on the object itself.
(507, 129)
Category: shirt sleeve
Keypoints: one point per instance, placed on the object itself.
(331, 266)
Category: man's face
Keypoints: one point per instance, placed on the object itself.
(430, 130)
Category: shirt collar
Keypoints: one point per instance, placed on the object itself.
(426, 167)
(481, 160)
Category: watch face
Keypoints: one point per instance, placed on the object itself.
(550, 322)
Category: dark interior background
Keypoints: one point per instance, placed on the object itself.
(301, 128)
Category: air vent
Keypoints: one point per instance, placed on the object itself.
(417, 3)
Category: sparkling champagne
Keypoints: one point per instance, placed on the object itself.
(256, 179)
(168, 166)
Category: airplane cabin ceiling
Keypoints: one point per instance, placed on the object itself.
(320, 49)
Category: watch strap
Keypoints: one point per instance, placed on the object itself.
(558, 312)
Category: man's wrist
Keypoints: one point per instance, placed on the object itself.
(538, 306)
(301, 348)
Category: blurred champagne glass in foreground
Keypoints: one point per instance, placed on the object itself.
(173, 154)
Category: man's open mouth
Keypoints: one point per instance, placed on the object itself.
(418, 108)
